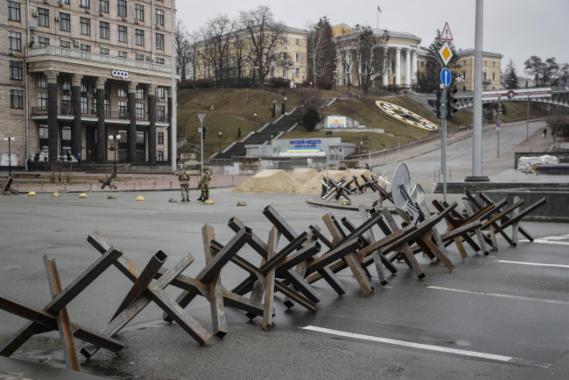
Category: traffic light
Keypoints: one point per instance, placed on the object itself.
(451, 102)
(438, 103)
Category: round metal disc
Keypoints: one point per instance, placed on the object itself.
(401, 177)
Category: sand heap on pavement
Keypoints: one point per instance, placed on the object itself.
(299, 181)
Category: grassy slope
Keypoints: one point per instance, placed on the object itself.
(232, 109)
(235, 108)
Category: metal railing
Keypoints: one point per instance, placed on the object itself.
(97, 58)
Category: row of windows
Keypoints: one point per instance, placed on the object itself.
(15, 11)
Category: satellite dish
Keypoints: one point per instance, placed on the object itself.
(401, 186)
(405, 197)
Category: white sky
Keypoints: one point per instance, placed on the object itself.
(515, 28)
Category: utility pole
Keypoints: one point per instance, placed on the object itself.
(527, 113)
(201, 116)
(477, 174)
(498, 125)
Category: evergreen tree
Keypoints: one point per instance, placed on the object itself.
(321, 55)
(311, 118)
(430, 81)
(510, 76)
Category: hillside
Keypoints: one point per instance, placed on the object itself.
(232, 110)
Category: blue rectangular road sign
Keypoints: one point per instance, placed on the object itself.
(446, 77)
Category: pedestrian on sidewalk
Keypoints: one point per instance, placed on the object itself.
(544, 133)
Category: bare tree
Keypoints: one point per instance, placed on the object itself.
(266, 37)
(183, 49)
(216, 39)
(370, 57)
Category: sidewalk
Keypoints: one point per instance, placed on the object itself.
(81, 182)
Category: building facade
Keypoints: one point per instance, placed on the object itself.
(399, 49)
(491, 70)
(290, 64)
(75, 74)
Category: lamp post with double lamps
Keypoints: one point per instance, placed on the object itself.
(9, 139)
(115, 139)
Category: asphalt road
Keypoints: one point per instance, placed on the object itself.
(459, 154)
(497, 317)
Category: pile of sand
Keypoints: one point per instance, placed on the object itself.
(300, 181)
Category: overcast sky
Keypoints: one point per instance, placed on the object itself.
(515, 28)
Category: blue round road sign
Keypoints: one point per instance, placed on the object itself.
(446, 77)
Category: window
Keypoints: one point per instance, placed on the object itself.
(122, 33)
(139, 37)
(14, 11)
(41, 82)
(160, 60)
(298, 57)
(139, 57)
(297, 41)
(139, 93)
(123, 109)
(161, 93)
(296, 72)
(161, 113)
(43, 17)
(121, 8)
(16, 70)
(104, 30)
(85, 3)
(85, 24)
(493, 77)
(122, 54)
(84, 105)
(15, 41)
(122, 91)
(159, 156)
(64, 22)
(86, 48)
(139, 12)
(160, 17)
(104, 6)
(65, 44)
(105, 51)
(17, 99)
(160, 138)
(66, 86)
(66, 104)
(42, 100)
(43, 41)
(160, 41)
(140, 111)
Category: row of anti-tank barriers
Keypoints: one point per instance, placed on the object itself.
(289, 268)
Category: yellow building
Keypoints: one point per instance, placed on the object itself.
(491, 70)
(291, 63)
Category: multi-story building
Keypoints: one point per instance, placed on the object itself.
(491, 70)
(290, 63)
(75, 74)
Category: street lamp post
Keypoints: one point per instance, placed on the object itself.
(201, 117)
(220, 136)
(115, 139)
(9, 139)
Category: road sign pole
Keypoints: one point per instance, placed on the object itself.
(444, 140)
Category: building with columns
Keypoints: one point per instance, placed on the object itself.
(399, 50)
(75, 74)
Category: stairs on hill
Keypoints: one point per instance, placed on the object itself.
(261, 136)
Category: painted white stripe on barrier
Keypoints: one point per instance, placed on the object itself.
(533, 264)
(427, 347)
(499, 295)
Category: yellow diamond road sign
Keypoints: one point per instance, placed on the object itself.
(445, 53)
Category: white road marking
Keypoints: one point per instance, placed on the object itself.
(533, 264)
(427, 347)
(553, 240)
(499, 295)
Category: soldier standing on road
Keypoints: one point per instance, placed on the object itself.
(184, 179)
(204, 186)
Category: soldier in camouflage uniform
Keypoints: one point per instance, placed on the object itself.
(204, 186)
(184, 179)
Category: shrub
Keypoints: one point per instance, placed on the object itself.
(311, 118)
